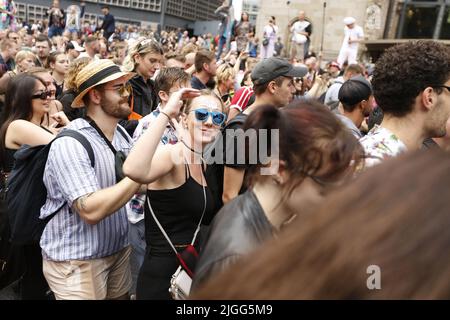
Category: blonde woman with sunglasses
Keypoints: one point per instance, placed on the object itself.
(144, 58)
(177, 191)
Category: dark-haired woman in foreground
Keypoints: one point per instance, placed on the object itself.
(369, 235)
(27, 103)
(313, 153)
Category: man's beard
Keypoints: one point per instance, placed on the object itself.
(438, 126)
(120, 110)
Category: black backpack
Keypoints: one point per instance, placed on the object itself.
(26, 192)
(214, 170)
(12, 259)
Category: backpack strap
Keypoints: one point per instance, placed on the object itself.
(81, 139)
(123, 133)
(87, 145)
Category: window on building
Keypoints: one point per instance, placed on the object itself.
(152, 5)
(425, 19)
(119, 3)
(445, 29)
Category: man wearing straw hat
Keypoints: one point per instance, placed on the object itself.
(85, 245)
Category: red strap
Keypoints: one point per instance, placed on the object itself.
(184, 265)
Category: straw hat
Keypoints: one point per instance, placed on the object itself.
(96, 73)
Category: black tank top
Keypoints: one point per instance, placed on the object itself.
(178, 211)
(9, 160)
(9, 156)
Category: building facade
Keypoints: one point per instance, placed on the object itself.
(252, 8)
(178, 13)
(385, 22)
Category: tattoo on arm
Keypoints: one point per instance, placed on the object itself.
(80, 203)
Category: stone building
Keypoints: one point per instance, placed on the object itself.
(385, 22)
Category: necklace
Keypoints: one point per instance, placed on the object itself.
(196, 152)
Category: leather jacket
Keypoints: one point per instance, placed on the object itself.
(144, 101)
(144, 95)
(240, 227)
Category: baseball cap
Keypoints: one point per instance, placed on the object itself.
(355, 90)
(271, 68)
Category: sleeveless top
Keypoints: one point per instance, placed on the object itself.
(9, 156)
(9, 160)
(179, 211)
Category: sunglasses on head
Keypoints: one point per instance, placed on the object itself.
(43, 95)
(144, 44)
(218, 118)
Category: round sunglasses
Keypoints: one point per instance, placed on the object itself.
(43, 95)
(125, 89)
(218, 118)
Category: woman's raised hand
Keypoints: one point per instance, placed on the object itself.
(173, 106)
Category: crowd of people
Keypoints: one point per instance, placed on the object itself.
(208, 152)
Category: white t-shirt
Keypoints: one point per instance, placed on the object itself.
(271, 31)
(299, 26)
(355, 33)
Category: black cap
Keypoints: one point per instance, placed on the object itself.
(271, 68)
(363, 80)
(354, 90)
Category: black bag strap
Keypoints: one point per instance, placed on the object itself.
(100, 132)
(123, 133)
(86, 144)
(81, 139)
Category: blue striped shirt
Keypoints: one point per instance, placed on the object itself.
(69, 175)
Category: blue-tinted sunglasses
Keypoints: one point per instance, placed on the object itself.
(218, 118)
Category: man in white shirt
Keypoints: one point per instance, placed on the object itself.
(349, 49)
(300, 36)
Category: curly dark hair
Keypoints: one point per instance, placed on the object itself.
(405, 70)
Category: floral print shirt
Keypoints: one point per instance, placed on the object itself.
(379, 144)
